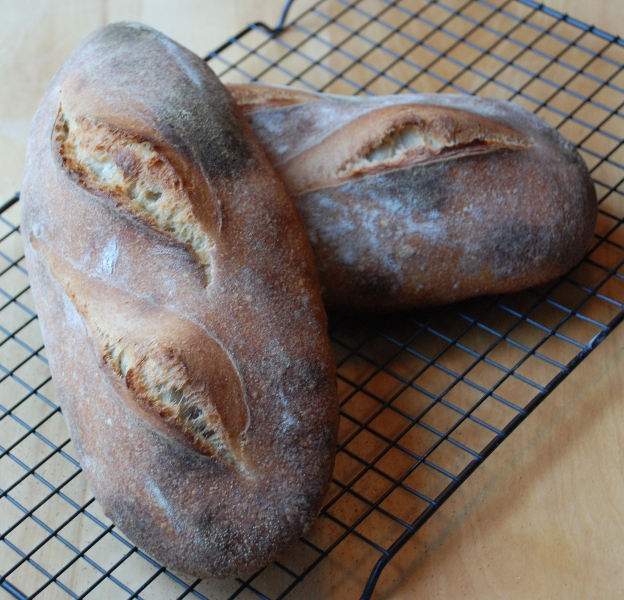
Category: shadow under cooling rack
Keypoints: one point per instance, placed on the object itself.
(425, 396)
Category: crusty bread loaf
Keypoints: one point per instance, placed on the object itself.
(179, 305)
(411, 200)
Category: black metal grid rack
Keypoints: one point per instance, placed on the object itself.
(425, 396)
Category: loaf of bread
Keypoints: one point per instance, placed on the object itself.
(411, 200)
(180, 308)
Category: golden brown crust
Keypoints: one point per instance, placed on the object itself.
(412, 200)
(180, 308)
(250, 98)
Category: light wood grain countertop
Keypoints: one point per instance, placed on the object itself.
(544, 516)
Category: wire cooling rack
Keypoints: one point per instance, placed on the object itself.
(426, 396)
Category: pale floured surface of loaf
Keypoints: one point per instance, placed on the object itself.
(412, 200)
(180, 308)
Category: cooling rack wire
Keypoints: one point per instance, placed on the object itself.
(425, 396)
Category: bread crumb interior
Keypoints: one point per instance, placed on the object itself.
(162, 384)
(103, 159)
(439, 138)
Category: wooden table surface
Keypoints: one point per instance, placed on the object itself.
(544, 516)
